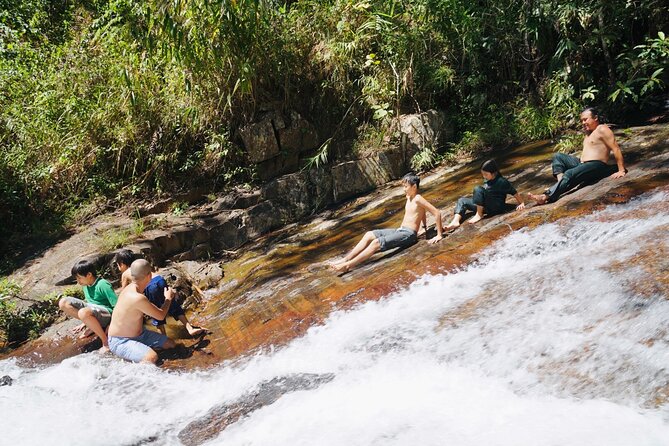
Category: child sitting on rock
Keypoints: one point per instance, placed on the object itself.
(415, 210)
(489, 199)
(96, 311)
(155, 292)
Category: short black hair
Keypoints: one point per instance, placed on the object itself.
(83, 267)
(124, 257)
(490, 166)
(593, 112)
(411, 178)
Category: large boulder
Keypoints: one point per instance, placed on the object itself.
(285, 162)
(237, 199)
(297, 134)
(421, 130)
(301, 193)
(276, 133)
(262, 218)
(352, 178)
(260, 140)
(226, 231)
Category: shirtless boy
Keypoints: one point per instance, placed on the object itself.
(154, 291)
(127, 336)
(571, 172)
(385, 239)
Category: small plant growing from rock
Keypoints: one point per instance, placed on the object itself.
(17, 325)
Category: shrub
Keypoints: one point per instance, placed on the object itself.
(19, 325)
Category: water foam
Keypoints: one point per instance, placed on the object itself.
(541, 341)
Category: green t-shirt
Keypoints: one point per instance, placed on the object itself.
(101, 293)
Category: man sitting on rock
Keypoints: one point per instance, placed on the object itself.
(154, 291)
(96, 311)
(127, 336)
(572, 172)
(384, 239)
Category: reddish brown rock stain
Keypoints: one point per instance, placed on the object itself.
(273, 297)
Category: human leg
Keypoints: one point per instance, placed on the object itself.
(479, 198)
(457, 218)
(192, 330)
(463, 205)
(140, 348)
(479, 215)
(87, 316)
(94, 317)
(71, 306)
(366, 248)
(361, 246)
(132, 350)
(561, 162)
(585, 173)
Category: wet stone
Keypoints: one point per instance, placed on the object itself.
(6, 381)
(220, 417)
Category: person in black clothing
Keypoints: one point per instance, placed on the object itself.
(488, 199)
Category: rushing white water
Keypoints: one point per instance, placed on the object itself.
(545, 340)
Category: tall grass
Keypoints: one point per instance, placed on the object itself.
(118, 98)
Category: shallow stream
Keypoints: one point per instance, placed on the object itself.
(556, 335)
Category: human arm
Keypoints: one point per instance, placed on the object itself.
(610, 142)
(126, 278)
(149, 309)
(424, 226)
(521, 202)
(437, 216)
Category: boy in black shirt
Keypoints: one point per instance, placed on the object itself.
(488, 199)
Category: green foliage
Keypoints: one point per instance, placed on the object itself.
(424, 159)
(18, 325)
(179, 208)
(127, 98)
(644, 68)
(569, 143)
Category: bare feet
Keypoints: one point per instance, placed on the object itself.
(540, 198)
(104, 349)
(455, 223)
(340, 267)
(475, 219)
(195, 330)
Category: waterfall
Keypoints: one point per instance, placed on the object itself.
(555, 335)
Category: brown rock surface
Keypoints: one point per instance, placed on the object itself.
(271, 293)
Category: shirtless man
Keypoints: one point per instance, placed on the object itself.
(571, 172)
(385, 239)
(127, 336)
(154, 292)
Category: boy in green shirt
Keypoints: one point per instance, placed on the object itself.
(96, 311)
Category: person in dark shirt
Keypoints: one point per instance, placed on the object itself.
(488, 199)
(155, 292)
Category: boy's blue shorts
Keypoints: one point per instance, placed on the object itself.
(135, 349)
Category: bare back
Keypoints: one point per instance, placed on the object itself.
(413, 213)
(128, 318)
(595, 145)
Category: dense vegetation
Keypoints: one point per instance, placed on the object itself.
(128, 97)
